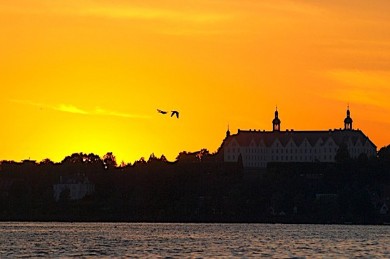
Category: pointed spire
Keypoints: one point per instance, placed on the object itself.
(348, 120)
(228, 131)
(276, 121)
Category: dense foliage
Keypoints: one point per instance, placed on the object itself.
(200, 187)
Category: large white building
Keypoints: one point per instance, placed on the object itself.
(258, 148)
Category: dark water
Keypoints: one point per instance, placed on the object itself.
(192, 240)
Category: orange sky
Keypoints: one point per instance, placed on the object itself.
(88, 75)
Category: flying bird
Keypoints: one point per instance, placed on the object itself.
(175, 113)
(162, 112)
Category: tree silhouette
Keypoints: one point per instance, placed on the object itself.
(199, 186)
(187, 157)
(163, 158)
(202, 154)
(109, 161)
(384, 154)
(46, 161)
(141, 162)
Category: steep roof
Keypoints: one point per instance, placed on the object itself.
(244, 137)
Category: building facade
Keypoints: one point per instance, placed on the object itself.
(258, 148)
(78, 188)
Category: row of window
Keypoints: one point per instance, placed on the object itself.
(284, 158)
(296, 151)
(306, 144)
(303, 144)
(304, 151)
(291, 151)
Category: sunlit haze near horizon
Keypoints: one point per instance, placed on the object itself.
(88, 76)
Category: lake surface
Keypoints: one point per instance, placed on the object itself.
(192, 240)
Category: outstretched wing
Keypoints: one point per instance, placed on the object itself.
(175, 113)
(162, 112)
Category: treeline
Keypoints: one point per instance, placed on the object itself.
(200, 187)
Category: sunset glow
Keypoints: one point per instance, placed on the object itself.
(88, 76)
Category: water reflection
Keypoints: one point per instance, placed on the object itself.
(191, 240)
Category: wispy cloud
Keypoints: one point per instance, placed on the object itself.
(168, 11)
(68, 108)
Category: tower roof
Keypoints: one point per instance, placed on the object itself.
(348, 120)
(276, 121)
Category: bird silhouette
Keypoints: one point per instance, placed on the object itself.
(175, 113)
(162, 112)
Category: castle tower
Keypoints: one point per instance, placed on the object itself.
(348, 121)
(276, 121)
